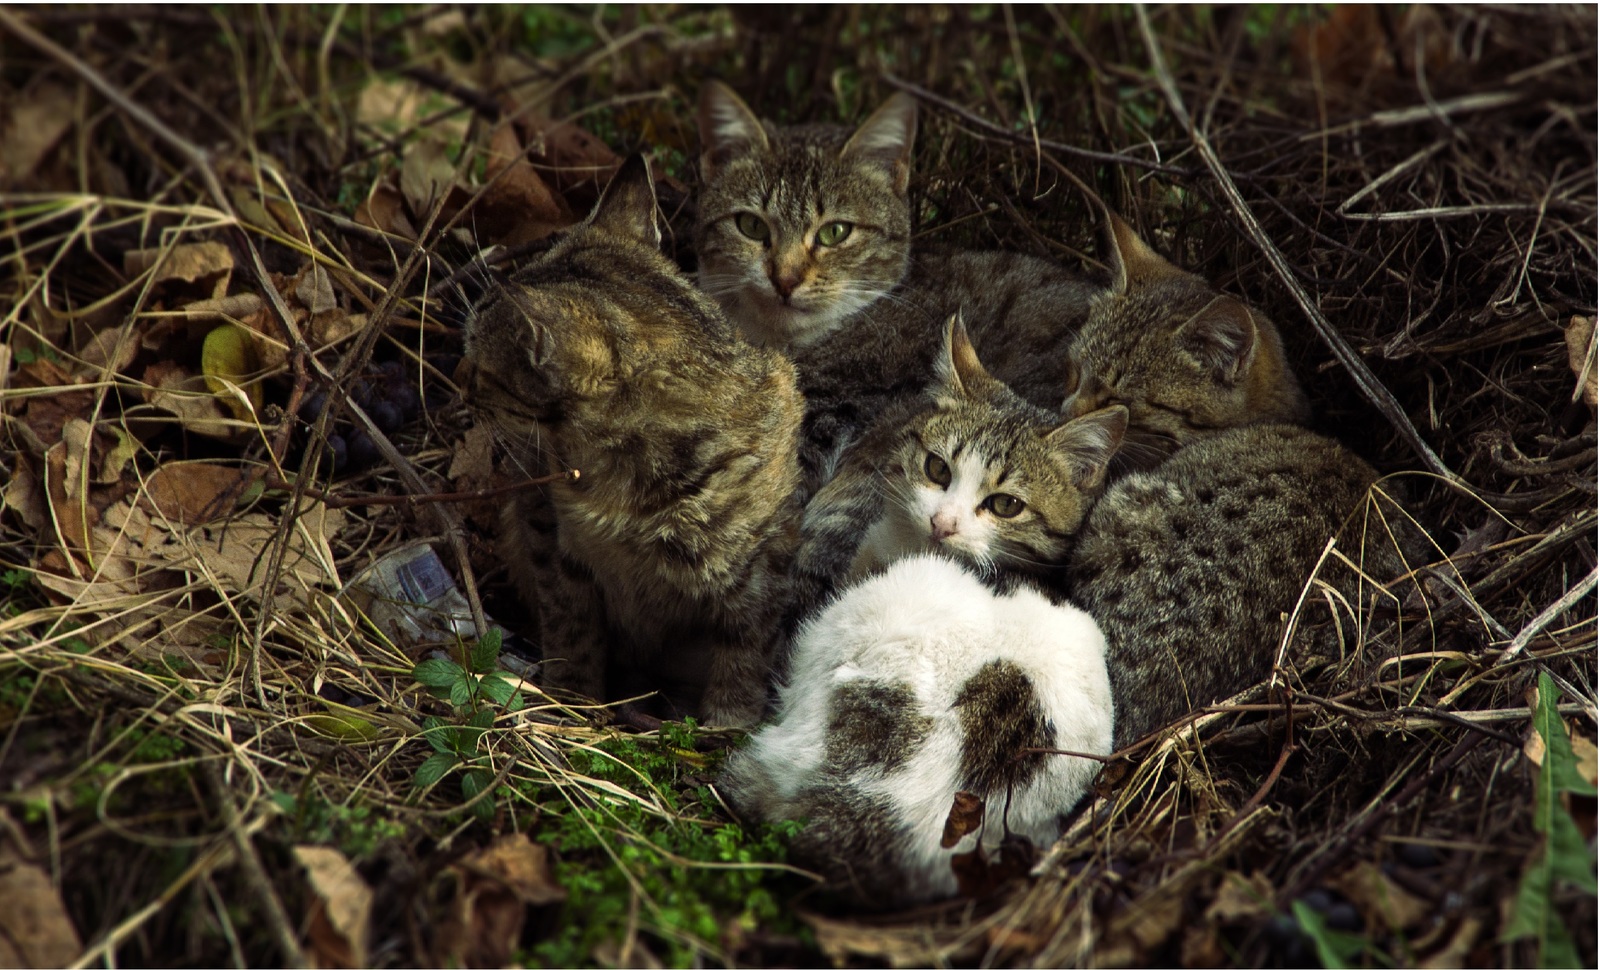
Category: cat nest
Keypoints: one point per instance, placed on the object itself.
(211, 751)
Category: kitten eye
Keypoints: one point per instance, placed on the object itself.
(1003, 505)
(834, 233)
(753, 226)
(938, 472)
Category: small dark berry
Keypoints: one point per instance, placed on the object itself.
(1318, 899)
(1343, 917)
(392, 370)
(339, 452)
(312, 404)
(385, 415)
(404, 397)
(361, 393)
(1417, 856)
(363, 451)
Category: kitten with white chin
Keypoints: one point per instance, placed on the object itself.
(968, 470)
(804, 226)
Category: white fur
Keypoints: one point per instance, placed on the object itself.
(906, 526)
(930, 624)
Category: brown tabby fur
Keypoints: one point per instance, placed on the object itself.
(1191, 568)
(1185, 359)
(671, 545)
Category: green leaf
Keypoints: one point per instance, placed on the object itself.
(497, 687)
(516, 702)
(1564, 855)
(482, 719)
(1336, 950)
(435, 672)
(474, 781)
(461, 690)
(437, 734)
(436, 767)
(486, 652)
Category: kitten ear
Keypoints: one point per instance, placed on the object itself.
(886, 138)
(959, 369)
(1087, 444)
(1223, 338)
(1133, 262)
(628, 205)
(728, 128)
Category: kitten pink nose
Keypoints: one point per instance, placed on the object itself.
(942, 526)
(785, 282)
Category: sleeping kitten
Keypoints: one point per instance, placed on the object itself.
(1192, 568)
(914, 685)
(804, 237)
(676, 535)
(968, 470)
(1185, 359)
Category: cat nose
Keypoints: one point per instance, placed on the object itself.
(941, 526)
(785, 282)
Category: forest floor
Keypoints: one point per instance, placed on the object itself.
(231, 240)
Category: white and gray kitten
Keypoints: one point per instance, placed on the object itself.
(913, 685)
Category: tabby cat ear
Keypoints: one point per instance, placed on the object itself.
(728, 128)
(959, 370)
(1087, 444)
(886, 138)
(1223, 338)
(1133, 262)
(628, 205)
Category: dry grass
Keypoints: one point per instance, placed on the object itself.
(1410, 196)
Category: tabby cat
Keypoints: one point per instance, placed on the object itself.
(1191, 568)
(1185, 359)
(672, 542)
(914, 685)
(804, 236)
(968, 470)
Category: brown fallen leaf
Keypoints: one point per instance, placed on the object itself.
(966, 816)
(1455, 951)
(341, 913)
(315, 290)
(1380, 899)
(1584, 749)
(171, 387)
(108, 352)
(495, 886)
(24, 495)
(426, 175)
(517, 205)
(35, 930)
(37, 120)
(45, 415)
(473, 460)
(189, 493)
(1241, 898)
(202, 262)
(384, 209)
(1581, 358)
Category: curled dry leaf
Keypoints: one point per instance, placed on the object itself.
(315, 290)
(227, 309)
(172, 388)
(496, 885)
(342, 910)
(35, 930)
(517, 206)
(384, 209)
(202, 262)
(1241, 898)
(1380, 899)
(110, 351)
(1581, 358)
(966, 816)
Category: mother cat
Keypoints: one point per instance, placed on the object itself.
(668, 551)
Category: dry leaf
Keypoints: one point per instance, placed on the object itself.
(343, 909)
(109, 351)
(1380, 899)
(473, 460)
(385, 210)
(35, 930)
(1585, 751)
(172, 388)
(1240, 898)
(1581, 357)
(315, 290)
(496, 885)
(38, 120)
(189, 493)
(426, 175)
(24, 495)
(227, 309)
(1533, 747)
(517, 206)
(1454, 953)
(189, 263)
(45, 415)
(966, 816)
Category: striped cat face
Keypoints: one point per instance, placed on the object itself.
(801, 227)
(985, 477)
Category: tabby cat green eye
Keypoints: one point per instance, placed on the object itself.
(753, 226)
(1005, 506)
(938, 472)
(834, 233)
